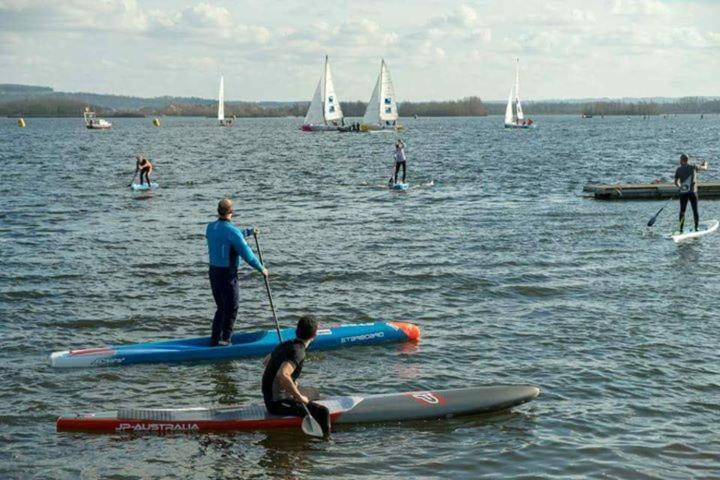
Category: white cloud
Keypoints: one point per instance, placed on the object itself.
(640, 7)
(621, 42)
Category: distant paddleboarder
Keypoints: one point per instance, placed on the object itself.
(400, 160)
(281, 391)
(226, 243)
(686, 181)
(143, 166)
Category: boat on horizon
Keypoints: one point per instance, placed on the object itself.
(222, 121)
(93, 123)
(516, 119)
(382, 112)
(324, 113)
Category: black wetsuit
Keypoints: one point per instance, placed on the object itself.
(279, 402)
(687, 175)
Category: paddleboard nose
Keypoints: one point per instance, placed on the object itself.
(412, 331)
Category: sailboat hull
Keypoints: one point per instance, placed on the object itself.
(370, 127)
(514, 125)
(319, 128)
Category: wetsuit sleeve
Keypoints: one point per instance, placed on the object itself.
(242, 248)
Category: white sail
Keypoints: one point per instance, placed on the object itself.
(221, 101)
(332, 109)
(372, 112)
(388, 106)
(508, 109)
(325, 106)
(382, 106)
(518, 107)
(314, 114)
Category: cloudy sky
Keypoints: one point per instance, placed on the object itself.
(273, 50)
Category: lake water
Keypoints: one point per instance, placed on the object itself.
(513, 276)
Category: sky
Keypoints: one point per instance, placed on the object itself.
(436, 50)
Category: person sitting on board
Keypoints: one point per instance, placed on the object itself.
(280, 389)
(686, 181)
(143, 166)
(226, 243)
(400, 160)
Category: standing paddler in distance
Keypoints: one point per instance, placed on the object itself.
(686, 181)
(281, 391)
(226, 243)
(145, 168)
(400, 161)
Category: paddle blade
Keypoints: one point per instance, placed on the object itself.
(311, 427)
(654, 219)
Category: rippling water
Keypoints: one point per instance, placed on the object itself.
(513, 276)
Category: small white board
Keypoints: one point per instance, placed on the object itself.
(400, 186)
(144, 186)
(705, 228)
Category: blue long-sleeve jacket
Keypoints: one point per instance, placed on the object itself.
(226, 243)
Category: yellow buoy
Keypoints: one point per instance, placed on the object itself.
(156, 122)
(21, 122)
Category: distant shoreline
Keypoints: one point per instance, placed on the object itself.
(31, 101)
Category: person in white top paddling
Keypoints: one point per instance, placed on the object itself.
(686, 181)
(400, 161)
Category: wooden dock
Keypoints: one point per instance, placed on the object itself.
(646, 191)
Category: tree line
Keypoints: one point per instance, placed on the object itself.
(65, 106)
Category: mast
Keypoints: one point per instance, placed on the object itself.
(518, 107)
(324, 91)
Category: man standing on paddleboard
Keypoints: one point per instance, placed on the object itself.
(400, 160)
(686, 181)
(283, 367)
(226, 243)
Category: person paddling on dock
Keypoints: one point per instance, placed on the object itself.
(686, 181)
(400, 160)
(280, 389)
(226, 243)
(143, 166)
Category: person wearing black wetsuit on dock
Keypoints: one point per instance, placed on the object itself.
(686, 181)
(281, 392)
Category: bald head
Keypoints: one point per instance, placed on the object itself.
(225, 208)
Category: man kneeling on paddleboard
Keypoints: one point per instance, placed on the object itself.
(226, 243)
(686, 181)
(283, 366)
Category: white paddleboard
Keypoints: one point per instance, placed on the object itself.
(144, 186)
(705, 228)
(400, 186)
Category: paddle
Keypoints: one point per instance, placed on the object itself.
(309, 425)
(267, 287)
(652, 221)
(133, 179)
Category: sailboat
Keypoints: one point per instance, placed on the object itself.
(381, 112)
(222, 121)
(518, 120)
(324, 113)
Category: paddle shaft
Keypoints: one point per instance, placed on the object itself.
(267, 287)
